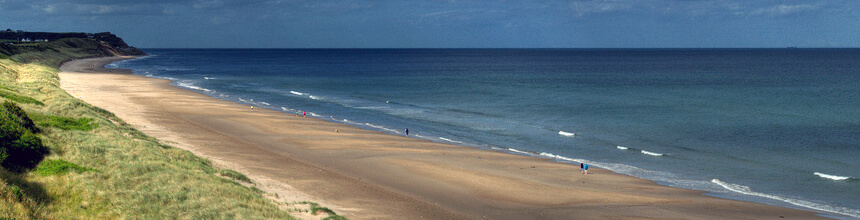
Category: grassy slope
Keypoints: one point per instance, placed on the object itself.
(122, 173)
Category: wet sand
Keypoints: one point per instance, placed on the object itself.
(364, 174)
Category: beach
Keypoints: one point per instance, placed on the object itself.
(364, 174)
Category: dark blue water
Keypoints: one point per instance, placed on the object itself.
(775, 126)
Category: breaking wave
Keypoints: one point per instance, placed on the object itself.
(651, 153)
(297, 93)
(192, 86)
(449, 140)
(566, 134)
(833, 177)
(802, 203)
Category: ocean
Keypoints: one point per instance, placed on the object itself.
(772, 126)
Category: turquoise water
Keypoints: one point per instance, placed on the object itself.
(775, 126)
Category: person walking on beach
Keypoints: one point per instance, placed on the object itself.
(407, 132)
(585, 168)
(305, 114)
(252, 108)
(581, 168)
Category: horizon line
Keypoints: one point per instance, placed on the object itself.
(489, 48)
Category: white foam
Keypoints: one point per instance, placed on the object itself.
(315, 115)
(315, 97)
(559, 157)
(651, 153)
(519, 151)
(622, 147)
(449, 140)
(566, 134)
(832, 177)
(265, 103)
(806, 204)
(192, 86)
(382, 128)
(207, 78)
(297, 93)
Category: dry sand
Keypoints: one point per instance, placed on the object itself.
(365, 174)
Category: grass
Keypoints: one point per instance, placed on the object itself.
(18, 98)
(58, 167)
(235, 175)
(117, 171)
(65, 123)
(316, 209)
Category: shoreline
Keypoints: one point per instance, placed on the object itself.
(366, 174)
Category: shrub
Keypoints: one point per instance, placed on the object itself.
(3, 154)
(23, 149)
(16, 191)
(18, 116)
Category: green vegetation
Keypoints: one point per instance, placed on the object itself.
(20, 148)
(235, 175)
(53, 53)
(18, 98)
(316, 209)
(57, 167)
(335, 217)
(95, 165)
(65, 123)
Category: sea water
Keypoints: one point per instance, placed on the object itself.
(774, 126)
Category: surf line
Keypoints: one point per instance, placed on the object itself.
(566, 134)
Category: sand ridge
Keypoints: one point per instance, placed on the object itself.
(364, 174)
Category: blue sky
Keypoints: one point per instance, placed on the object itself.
(448, 24)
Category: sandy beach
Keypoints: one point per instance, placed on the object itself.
(364, 174)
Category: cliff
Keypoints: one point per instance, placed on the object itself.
(60, 47)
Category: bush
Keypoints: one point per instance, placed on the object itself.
(18, 116)
(16, 191)
(21, 148)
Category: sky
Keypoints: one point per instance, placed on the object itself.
(448, 23)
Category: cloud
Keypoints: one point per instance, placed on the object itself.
(98, 9)
(460, 15)
(777, 10)
(709, 8)
(581, 8)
